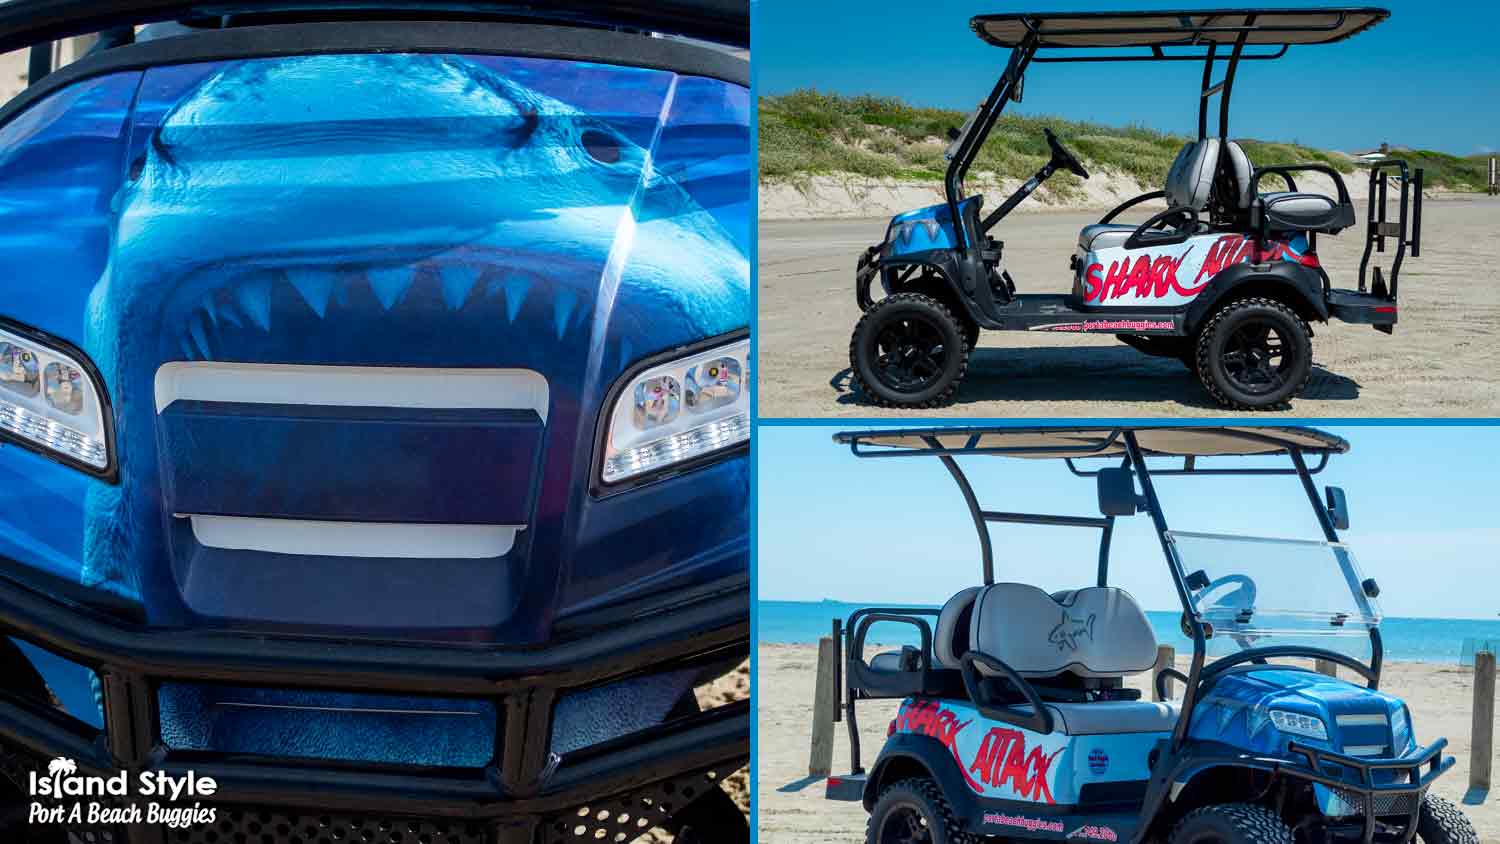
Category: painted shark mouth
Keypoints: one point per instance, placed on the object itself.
(451, 308)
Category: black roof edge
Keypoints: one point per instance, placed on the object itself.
(1378, 14)
(27, 22)
(1333, 444)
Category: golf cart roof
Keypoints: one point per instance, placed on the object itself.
(1074, 443)
(1187, 28)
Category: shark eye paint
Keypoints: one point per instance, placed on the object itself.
(601, 147)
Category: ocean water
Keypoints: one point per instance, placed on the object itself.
(1440, 640)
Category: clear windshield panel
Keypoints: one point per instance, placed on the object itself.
(963, 132)
(1257, 587)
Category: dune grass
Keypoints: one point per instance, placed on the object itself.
(806, 133)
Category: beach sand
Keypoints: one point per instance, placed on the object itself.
(792, 809)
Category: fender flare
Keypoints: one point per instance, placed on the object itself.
(1301, 286)
(942, 262)
(939, 763)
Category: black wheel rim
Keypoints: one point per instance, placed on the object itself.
(905, 825)
(910, 354)
(1257, 357)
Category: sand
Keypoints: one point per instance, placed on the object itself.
(1443, 359)
(792, 809)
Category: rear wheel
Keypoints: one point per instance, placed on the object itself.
(1440, 822)
(1254, 354)
(913, 811)
(908, 350)
(1231, 823)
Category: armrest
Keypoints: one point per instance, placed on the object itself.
(1039, 720)
(1131, 203)
(1286, 171)
(1144, 236)
(1168, 674)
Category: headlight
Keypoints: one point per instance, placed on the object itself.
(1402, 737)
(672, 413)
(49, 402)
(1298, 724)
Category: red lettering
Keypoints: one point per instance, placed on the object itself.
(1140, 278)
(1003, 760)
(1094, 285)
(1218, 258)
(1118, 272)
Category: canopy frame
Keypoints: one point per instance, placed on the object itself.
(1124, 443)
(1189, 34)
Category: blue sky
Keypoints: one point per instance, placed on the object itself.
(1428, 77)
(834, 526)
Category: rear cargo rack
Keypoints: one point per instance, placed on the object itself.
(1407, 230)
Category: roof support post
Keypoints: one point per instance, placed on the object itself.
(986, 553)
(963, 158)
(1195, 627)
(1234, 62)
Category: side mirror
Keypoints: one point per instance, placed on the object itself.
(1338, 507)
(1117, 492)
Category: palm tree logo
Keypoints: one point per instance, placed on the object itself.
(58, 768)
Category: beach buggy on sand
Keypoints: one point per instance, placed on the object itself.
(1015, 724)
(1226, 279)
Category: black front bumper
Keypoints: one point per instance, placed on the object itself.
(1352, 779)
(525, 795)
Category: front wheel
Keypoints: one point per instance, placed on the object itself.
(1440, 822)
(1254, 354)
(1231, 823)
(908, 350)
(913, 811)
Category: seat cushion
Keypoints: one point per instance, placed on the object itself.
(1288, 211)
(1112, 717)
(1104, 236)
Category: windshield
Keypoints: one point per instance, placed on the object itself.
(1251, 588)
(963, 132)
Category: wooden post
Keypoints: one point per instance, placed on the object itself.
(1482, 739)
(1166, 657)
(820, 763)
(1323, 666)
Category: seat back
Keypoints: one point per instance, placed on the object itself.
(1238, 171)
(1191, 177)
(951, 640)
(1095, 632)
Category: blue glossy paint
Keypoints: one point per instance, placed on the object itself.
(394, 210)
(924, 229)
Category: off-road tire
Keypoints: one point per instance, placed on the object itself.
(1221, 327)
(1441, 822)
(862, 351)
(926, 798)
(1232, 823)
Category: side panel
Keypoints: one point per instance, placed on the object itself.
(1003, 762)
(1172, 276)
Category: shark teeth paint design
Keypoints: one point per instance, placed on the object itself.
(316, 286)
(458, 281)
(390, 284)
(254, 297)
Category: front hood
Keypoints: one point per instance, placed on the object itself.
(552, 221)
(1360, 721)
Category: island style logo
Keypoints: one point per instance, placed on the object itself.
(64, 796)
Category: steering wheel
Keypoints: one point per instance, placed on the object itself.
(1242, 598)
(1063, 157)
